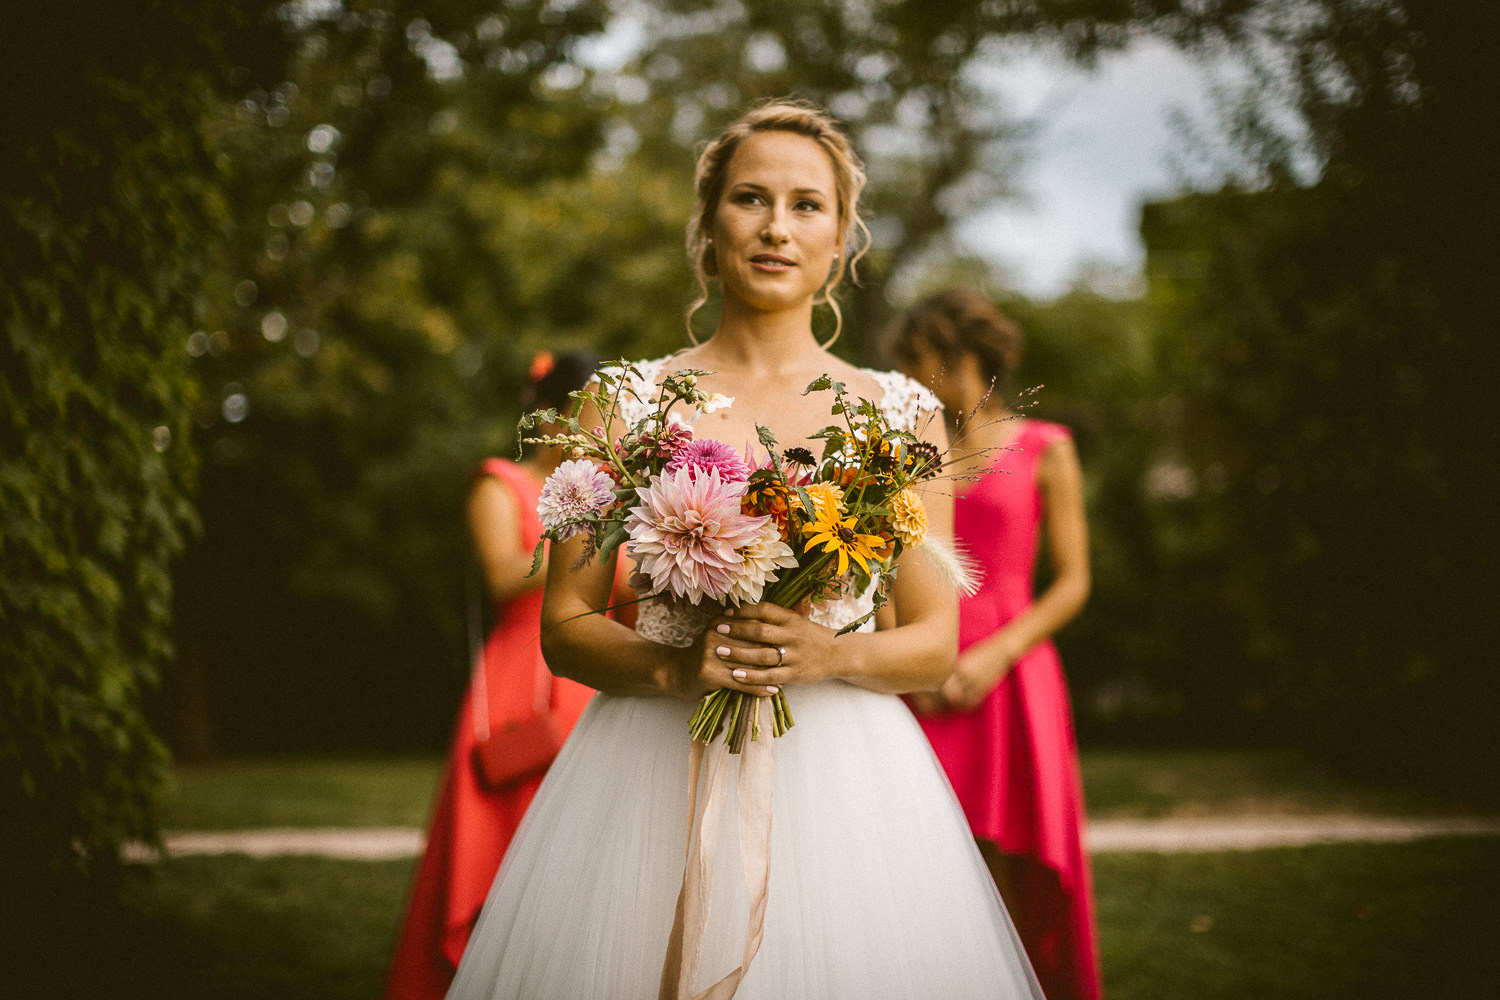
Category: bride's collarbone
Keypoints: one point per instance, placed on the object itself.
(777, 402)
(739, 428)
(792, 418)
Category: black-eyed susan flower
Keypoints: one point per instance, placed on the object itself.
(838, 536)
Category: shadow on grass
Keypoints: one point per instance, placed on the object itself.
(228, 928)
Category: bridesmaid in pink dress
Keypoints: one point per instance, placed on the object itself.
(472, 824)
(1002, 725)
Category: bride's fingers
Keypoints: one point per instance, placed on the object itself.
(756, 659)
(772, 614)
(749, 681)
(757, 630)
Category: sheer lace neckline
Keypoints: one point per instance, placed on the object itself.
(903, 399)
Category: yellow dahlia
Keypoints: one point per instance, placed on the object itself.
(828, 502)
(909, 517)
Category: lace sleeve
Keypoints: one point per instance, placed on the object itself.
(907, 403)
(639, 392)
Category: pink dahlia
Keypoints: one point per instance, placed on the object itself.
(687, 531)
(663, 442)
(575, 492)
(702, 454)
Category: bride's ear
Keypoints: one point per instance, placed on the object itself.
(710, 260)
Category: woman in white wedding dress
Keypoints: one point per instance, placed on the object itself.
(875, 888)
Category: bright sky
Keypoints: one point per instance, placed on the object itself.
(1105, 145)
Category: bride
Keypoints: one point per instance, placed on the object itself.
(874, 887)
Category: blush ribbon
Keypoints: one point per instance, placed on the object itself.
(685, 945)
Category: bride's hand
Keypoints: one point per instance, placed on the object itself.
(760, 648)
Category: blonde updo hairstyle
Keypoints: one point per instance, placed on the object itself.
(799, 118)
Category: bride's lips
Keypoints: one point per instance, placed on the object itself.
(771, 261)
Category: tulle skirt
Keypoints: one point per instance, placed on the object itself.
(876, 887)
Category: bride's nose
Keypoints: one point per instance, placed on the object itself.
(775, 232)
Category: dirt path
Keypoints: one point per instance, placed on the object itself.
(1238, 833)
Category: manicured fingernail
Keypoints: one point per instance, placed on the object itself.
(722, 651)
(723, 629)
(740, 675)
(772, 689)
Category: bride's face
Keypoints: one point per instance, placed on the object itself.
(775, 231)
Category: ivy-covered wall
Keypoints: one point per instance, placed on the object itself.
(108, 197)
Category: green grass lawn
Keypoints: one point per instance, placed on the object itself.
(1158, 783)
(1333, 922)
(300, 792)
(1355, 921)
(1344, 922)
(397, 791)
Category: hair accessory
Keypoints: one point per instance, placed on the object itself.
(542, 363)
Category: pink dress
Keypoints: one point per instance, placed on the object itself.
(1013, 760)
(472, 825)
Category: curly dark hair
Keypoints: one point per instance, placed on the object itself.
(953, 323)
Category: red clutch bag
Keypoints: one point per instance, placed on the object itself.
(519, 750)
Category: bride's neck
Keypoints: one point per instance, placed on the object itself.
(761, 344)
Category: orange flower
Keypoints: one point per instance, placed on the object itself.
(768, 495)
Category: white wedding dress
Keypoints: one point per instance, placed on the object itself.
(876, 888)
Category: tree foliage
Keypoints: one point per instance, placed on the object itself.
(109, 195)
(414, 217)
(1329, 341)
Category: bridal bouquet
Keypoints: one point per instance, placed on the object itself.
(708, 523)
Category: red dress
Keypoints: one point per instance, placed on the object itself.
(472, 825)
(1013, 760)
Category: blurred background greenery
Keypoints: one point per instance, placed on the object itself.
(273, 273)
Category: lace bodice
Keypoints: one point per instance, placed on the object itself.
(639, 394)
(677, 623)
(906, 401)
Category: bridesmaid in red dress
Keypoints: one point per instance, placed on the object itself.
(472, 823)
(1002, 724)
